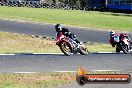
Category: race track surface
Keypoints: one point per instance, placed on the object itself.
(48, 30)
(59, 62)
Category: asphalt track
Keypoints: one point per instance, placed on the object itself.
(27, 63)
(41, 29)
(58, 62)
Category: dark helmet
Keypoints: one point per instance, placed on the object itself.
(58, 27)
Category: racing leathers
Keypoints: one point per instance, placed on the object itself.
(122, 35)
(69, 34)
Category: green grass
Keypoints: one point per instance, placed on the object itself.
(93, 47)
(36, 80)
(42, 80)
(106, 20)
(16, 43)
(39, 84)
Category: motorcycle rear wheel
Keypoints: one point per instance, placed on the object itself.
(118, 50)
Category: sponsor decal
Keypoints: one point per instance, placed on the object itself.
(83, 78)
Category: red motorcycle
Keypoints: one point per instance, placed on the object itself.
(69, 46)
(122, 44)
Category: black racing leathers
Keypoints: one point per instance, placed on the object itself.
(69, 34)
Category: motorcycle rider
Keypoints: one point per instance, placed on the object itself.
(112, 34)
(122, 35)
(65, 32)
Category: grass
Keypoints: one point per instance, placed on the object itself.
(93, 47)
(106, 20)
(41, 80)
(17, 43)
(35, 80)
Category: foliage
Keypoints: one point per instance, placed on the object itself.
(81, 3)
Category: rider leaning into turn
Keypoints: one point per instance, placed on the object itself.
(66, 32)
(112, 34)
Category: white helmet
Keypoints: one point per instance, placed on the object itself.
(111, 33)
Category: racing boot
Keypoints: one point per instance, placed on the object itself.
(77, 41)
(130, 45)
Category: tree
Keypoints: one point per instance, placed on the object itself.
(83, 4)
(79, 3)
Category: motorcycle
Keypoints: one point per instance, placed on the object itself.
(69, 46)
(122, 44)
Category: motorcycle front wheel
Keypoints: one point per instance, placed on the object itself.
(83, 50)
(124, 48)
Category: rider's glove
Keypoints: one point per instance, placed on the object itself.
(69, 33)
